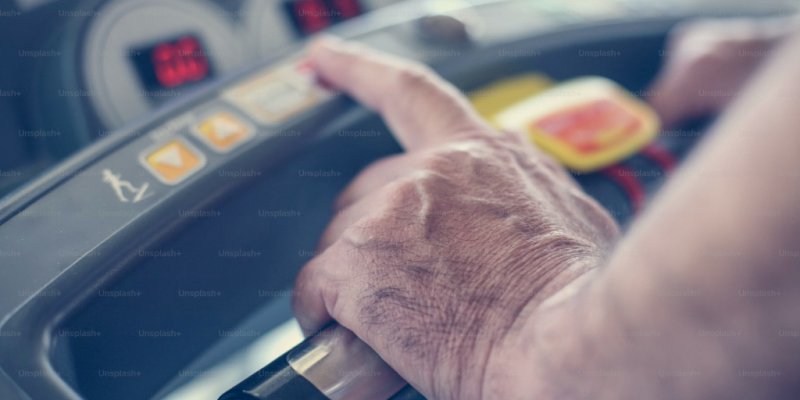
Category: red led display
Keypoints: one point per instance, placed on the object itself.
(180, 62)
(172, 63)
(312, 16)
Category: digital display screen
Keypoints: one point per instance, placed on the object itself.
(311, 16)
(172, 63)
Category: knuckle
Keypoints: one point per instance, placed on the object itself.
(405, 193)
(456, 156)
(355, 235)
(320, 273)
(515, 138)
(441, 161)
(384, 230)
(503, 146)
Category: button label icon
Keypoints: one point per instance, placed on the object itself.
(173, 162)
(121, 186)
(223, 131)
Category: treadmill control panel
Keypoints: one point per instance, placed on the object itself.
(119, 60)
(130, 70)
(269, 99)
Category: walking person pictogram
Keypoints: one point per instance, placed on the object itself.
(120, 186)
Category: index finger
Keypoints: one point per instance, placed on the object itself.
(420, 107)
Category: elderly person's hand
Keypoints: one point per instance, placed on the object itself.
(435, 254)
(469, 263)
(709, 61)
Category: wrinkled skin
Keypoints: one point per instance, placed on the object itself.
(471, 262)
(455, 238)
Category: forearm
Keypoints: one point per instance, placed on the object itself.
(713, 267)
(698, 300)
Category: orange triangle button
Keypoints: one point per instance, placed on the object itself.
(173, 162)
(223, 131)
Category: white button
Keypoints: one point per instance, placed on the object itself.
(278, 94)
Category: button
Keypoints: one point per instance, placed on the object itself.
(587, 123)
(223, 131)
(278, 95)
(173, 162)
